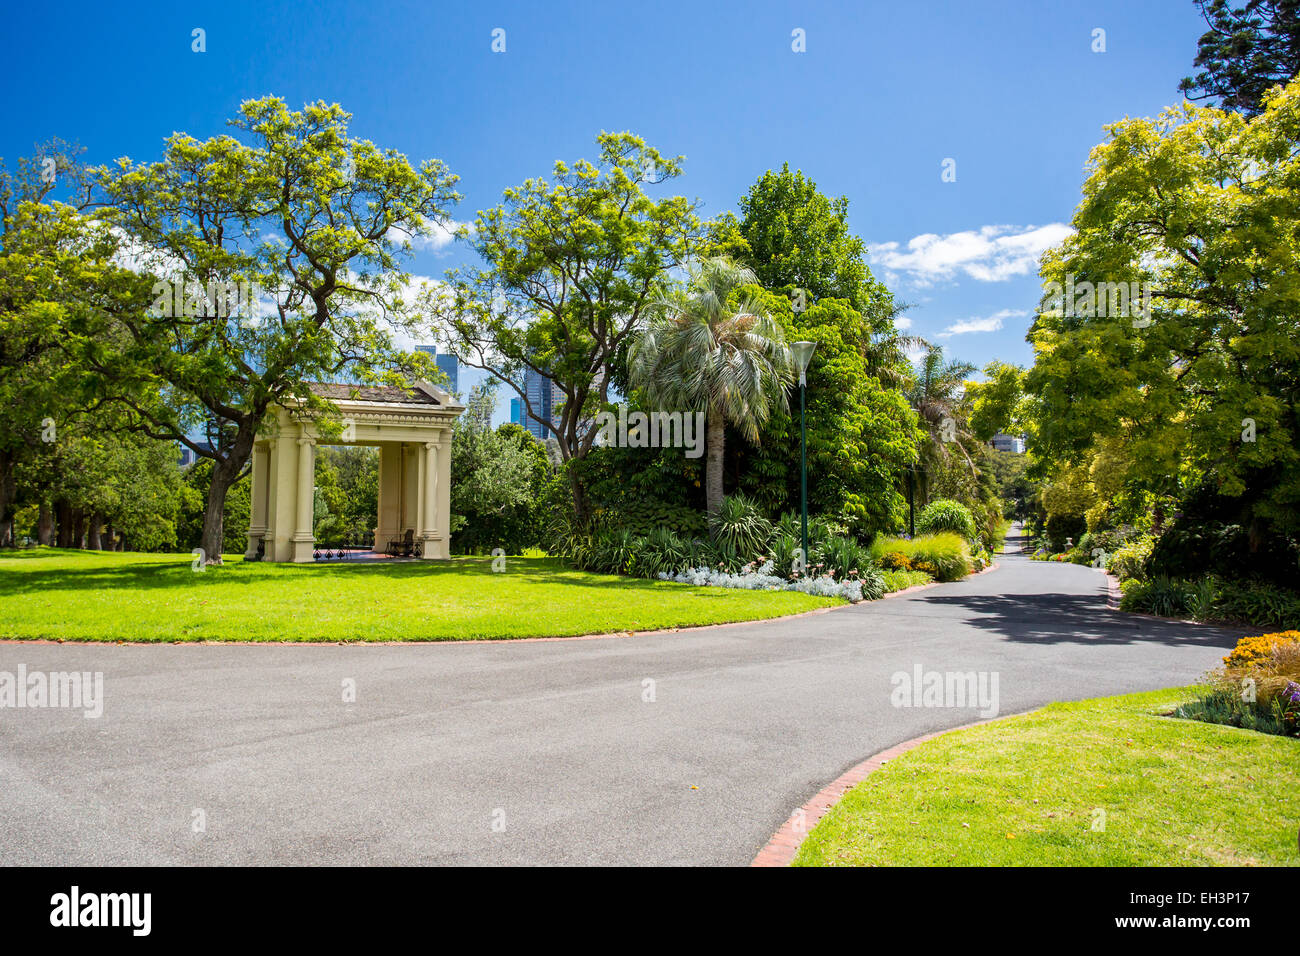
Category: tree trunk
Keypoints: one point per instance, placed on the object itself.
(121, 542)
(64, 512)
(45, 525)
(224, 472)
(581, 504)
(8, 490)
(92, 532)
(717, 446)
(78, 528)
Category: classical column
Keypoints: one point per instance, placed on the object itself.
(419, 493)
(429, 499)
(431, 487)
(261, 479)
(443, 499)
(303, 540)
(389, 517)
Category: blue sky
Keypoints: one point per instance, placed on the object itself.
(885, 92)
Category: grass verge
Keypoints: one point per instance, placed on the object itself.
(100, 596)
(1103, 782)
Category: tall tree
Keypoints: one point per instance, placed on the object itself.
(309, 218)
(712, 347)
(571, 266)
(1246, 51)
(861, 431)
(54, 264)
(936, 392)
(797, 241)
(497, 478)
(993, 402)
(1200, 386)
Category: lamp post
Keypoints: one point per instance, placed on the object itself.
(911, 501)
(802, 352)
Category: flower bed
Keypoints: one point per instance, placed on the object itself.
(761, 578)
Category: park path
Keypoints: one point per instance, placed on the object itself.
(537, 752)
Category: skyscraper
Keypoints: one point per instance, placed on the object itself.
(449, 364)
(544, 398)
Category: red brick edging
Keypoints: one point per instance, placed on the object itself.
(785, 843)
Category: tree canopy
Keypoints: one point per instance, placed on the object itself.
(1202, 384)
(1246, 51)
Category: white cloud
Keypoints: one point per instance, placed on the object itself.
(988, 254)
(987, 324)
(902, 323)
(439, 237)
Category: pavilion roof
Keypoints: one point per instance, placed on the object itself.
(347, 392)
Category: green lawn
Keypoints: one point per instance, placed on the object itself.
(1024, 791)
(97, 596)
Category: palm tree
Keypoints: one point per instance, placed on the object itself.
(702, 352)
(935, 391)
(887, 353)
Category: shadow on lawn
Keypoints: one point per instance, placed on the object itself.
(1077, 619)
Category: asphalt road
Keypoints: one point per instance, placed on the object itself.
(538, 752)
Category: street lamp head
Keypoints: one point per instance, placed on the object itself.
(802, 353)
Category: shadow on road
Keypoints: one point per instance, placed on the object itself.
(1076, 619)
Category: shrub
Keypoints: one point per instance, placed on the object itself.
(1163, 595)
(739, 529)
(1257, 651)
(1258, 687)
(1060, 528)
(661, 550)
(1193, 546)
(613, 552)
(895, 561)
(1130, 561)
(873, 583)
(841, 557)
(947, 515)
(762, 578)
(782, 551)
(642, 517)
(1109, 540)
(1258, 603)
(898, 580)
(1275, 709)
(944, 556)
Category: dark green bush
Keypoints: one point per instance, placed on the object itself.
(1258, 602)
(1163, 595)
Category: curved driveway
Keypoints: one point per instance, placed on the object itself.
(538, 752)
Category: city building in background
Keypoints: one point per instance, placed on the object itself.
(1012, 443)
(449, 364)
(544, 398)
(187, 455)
